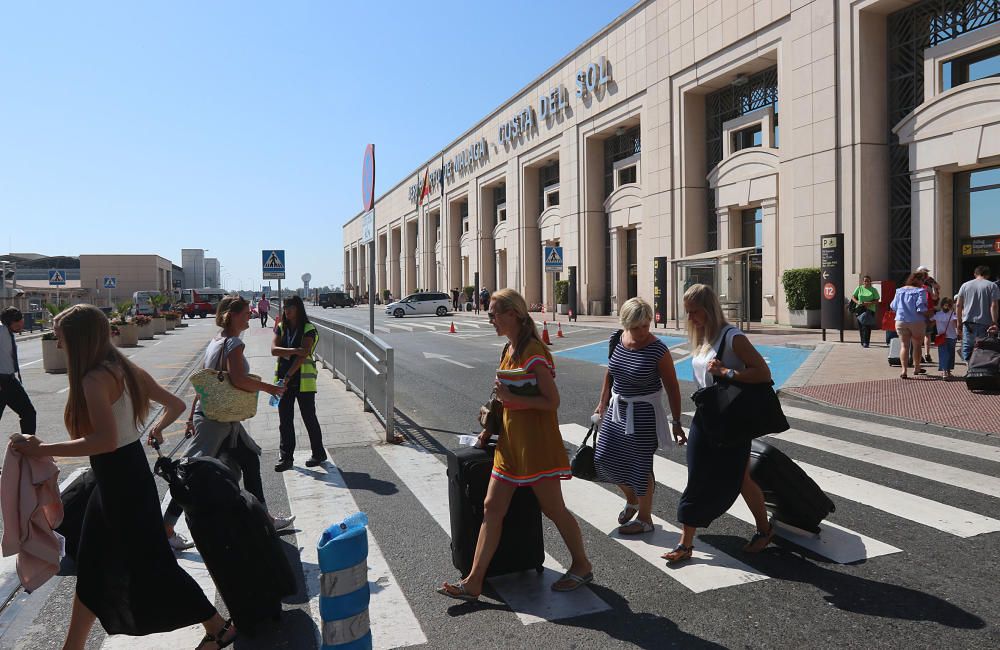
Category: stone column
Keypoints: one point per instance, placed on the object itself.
(769, 261)
(619, 286)
(725, 228)
(923, 207)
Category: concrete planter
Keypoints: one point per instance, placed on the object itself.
(159, 325)
(171, 324)
(128, 336)
(804, 318)
(562, 309)
(53, 359)
(146, 332)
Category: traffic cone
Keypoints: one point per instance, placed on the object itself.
(545, 333)
(451, 330)
(559, 334)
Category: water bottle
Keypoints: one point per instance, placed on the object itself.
(357, 520)
(274, 398)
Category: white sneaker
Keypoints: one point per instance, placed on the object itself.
(179, 543)
(283, 522)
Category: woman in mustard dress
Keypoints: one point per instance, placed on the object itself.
(529, 451)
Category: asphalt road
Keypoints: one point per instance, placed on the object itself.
(916, 531)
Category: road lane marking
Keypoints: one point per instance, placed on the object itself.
(446, 359)
(30, 363)
(63, 390)
(709, 568)
(837, 543)
(925, 469)
(319, 498)
(944, 443)
(401, 327)
(526, 593)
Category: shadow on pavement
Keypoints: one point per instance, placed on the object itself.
(852, 593)
(413, 432)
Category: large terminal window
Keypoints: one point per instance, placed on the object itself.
(972, 67)
(977, 203)
(622, 150)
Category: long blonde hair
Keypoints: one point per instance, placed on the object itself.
(701, 295)
(508, 300)
(86, 337)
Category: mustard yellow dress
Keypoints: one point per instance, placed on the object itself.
(530, 447)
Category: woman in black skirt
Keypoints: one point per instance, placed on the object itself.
(717, 475)
(127, 575)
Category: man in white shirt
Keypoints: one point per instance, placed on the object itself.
(12, 393)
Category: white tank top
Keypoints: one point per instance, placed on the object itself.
(125, 420)
(699, 363)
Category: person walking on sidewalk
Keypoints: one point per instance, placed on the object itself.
(228, 441)
(529, 451)
(127, 576)
(718, 474)
(294, 344)
(640, 368)
(947, 332)
(866, 296)
(933, 290)
(976, 309)
(910, 305)
(12, 391)
(263, 310)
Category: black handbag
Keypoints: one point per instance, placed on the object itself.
(582, 465)
(734, 412)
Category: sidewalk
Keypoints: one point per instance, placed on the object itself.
(341, 415)
(858, 379)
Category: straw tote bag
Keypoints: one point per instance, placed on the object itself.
(220, 400)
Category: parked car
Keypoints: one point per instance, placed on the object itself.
(335, 299)
(420, 303)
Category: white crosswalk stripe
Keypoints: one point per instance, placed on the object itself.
(526, 593)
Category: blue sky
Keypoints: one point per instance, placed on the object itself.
(236, 126)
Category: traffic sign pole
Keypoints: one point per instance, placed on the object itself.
(368, 203)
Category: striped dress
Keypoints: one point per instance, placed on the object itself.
(620, 458)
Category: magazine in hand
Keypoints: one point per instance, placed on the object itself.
(519, 382)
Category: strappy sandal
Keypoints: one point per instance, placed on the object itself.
(219, 639)
(679, 554)
(575, 581)
(637, 527)
(459, 594)
(630, 510)
(759, 541)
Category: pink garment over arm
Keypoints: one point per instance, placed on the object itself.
(32, 509)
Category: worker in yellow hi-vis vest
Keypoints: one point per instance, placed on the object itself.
(294, 342)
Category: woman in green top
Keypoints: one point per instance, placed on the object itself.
(867, 296)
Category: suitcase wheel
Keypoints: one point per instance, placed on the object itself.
(539, 570)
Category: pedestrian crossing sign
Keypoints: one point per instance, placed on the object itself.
(110, 282)
(57, 278)
(273, 263)
(553, 259)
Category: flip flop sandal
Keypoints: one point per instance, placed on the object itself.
(759, 541)
(218, 639)
(576, 581)
(630, 510)
(462, 594)
(637, 527)
(679, 554)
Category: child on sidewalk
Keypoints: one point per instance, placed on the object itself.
(947, 331)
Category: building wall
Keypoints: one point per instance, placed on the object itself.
(213, 272)
(666, 61)
(133, 273)
(193, 262)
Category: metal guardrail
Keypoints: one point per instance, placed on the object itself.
(364, 362)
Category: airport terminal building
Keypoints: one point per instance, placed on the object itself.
(722, 139)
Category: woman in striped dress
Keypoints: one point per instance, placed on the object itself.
(639, 369)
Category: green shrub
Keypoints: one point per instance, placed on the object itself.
(801, 288)
(562, 292)
(468, 291)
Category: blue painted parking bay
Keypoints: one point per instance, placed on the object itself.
(783, 361)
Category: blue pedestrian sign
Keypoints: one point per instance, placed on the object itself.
(273, 263)
(110, 282)
(553, 259)
(57, 278)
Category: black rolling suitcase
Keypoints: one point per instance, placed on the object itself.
(790, 494)
(984, 365)
(521, 545)
(235, 537)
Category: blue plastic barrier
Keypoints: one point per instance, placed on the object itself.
(344, 592)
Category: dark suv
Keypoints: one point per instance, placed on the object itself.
(335, 299)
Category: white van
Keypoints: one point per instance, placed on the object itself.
(420, 303)
(142, 303)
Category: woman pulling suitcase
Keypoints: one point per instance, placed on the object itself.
(529, 452)
(213, 438)
(718, 474)
(127, 575)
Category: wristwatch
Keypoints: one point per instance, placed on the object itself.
(730, 374)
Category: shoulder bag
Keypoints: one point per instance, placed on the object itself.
(583, 461)
(491, 413)
(734, 412)
(220, 400)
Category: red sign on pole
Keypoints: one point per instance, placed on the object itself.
(368, 178)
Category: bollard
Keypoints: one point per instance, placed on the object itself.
(344, 592)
